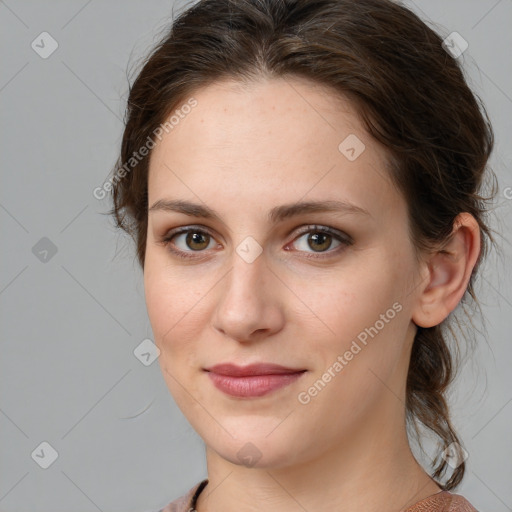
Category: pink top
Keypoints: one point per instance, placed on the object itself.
(443, 501)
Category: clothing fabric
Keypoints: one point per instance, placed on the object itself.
(443, 501)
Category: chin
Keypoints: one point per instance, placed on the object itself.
(254, 448)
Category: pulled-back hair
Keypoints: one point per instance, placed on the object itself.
(410, 93)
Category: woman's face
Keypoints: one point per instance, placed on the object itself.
(253, 285)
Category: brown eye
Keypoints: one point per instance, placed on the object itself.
(319, 239)
(190, 242)
(197, 240)
(186, 241)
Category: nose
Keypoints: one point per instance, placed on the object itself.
(249, 302)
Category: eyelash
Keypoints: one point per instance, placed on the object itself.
(345, 240)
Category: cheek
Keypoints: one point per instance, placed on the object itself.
(363, 312)
(173, 307)
(355, 300)
(356, 362)
(173, 310)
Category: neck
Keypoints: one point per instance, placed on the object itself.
(373, 471)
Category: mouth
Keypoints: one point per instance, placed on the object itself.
(252, 381)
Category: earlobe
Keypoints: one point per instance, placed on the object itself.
(449, 271)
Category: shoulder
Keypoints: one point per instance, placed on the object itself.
(443, 501)
(186, 502)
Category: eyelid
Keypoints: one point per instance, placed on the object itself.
(306, 228)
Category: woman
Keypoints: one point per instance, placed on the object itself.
(302, 180)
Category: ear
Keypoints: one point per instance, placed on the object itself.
(448, 271)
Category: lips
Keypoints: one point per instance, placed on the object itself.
(233, 370)
(253, 380)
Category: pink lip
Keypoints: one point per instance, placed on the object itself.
(234, 370)
(253, 380)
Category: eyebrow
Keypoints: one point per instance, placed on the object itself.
(277, 214)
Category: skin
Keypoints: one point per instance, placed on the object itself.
(242, 151)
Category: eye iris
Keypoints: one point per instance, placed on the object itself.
(194, 237)
(320, 237)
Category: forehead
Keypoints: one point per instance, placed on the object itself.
(292, 108)
(270, 142)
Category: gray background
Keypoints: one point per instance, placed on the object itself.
(70, 323)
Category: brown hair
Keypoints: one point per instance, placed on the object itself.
(409, 91)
